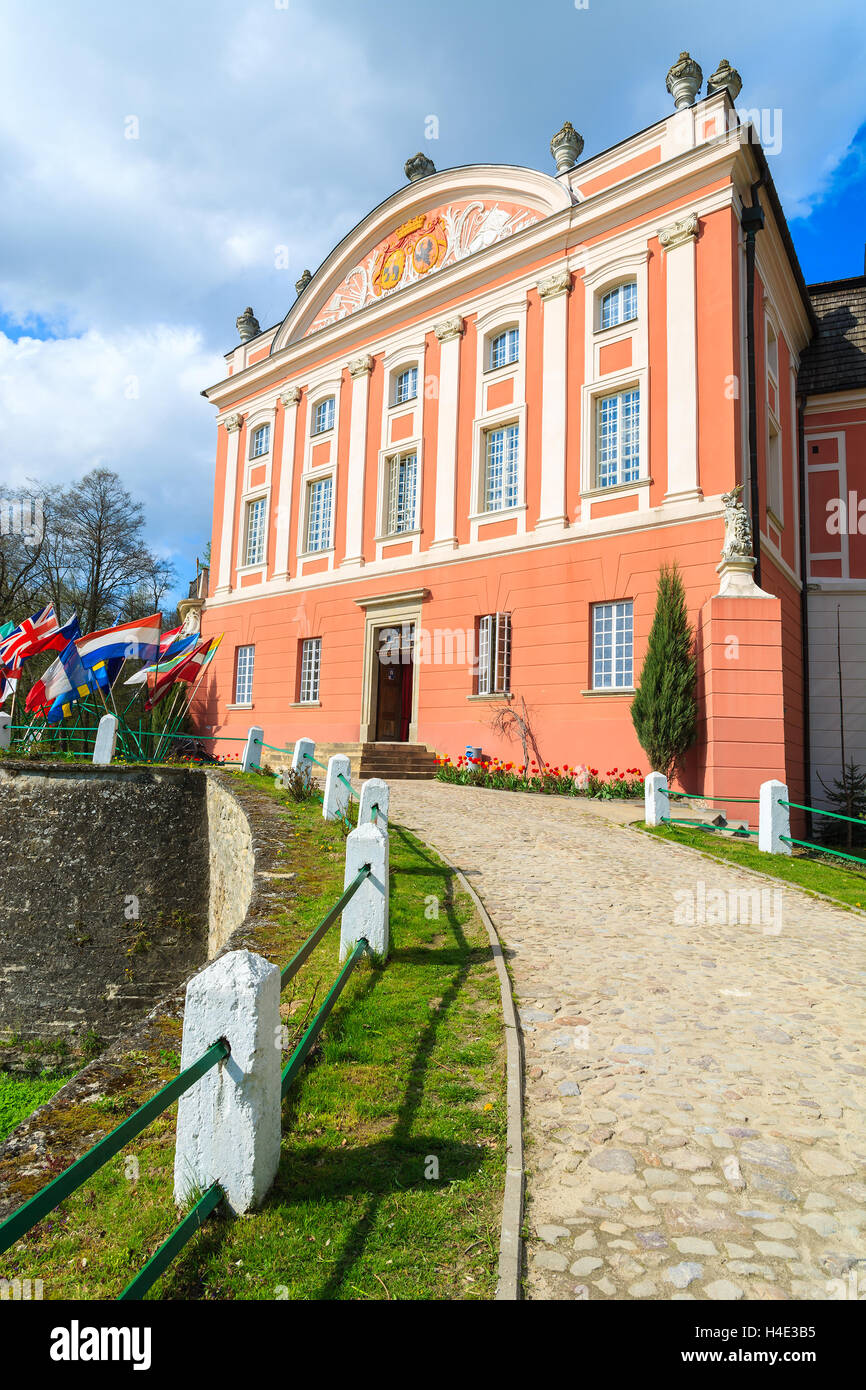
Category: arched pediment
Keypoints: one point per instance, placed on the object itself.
(424, 228)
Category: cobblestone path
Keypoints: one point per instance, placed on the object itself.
(695, 1060)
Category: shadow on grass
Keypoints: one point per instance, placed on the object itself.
(396, 1161)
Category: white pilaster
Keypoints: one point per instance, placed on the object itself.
(554, 291)
(678, 241)
(359, 371)
(290, 399)
(449, 332)
(233, 427)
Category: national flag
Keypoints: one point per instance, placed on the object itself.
(8, 686)
(167, 638)
(58, 640)
(66, 679)
(188, 670)
(16, 647)
(5, 629)
(173, 656)
(138, 639)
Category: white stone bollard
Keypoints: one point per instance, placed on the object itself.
(228, 1123)
(302, 758)
(252, 758)
(335, 805)
(5, 730)
(774, 818)
(656, 802)
(366, 914)
(374, 792)
(106, 740)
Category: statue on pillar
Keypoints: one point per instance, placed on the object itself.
(738, 561)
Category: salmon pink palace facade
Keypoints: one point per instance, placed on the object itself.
(449, 477)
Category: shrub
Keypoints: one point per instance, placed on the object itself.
(664, 708)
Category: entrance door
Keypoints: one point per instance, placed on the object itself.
(394, 693)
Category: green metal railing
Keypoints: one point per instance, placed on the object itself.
(96, 1157)
(824, 849)
(162, 1258)
(296, 1061)
(702, 825)
(289, 971)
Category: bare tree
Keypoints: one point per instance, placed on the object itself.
(513, 726)
(95, 561)
(23, 523)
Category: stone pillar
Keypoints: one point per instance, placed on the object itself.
(302, 757)
(656, 801)
(5, 730)
(290, 400)
(775, 819)
(252, 757)
(374, 792)
(335, 805)
(359, 370)
(678, 242)
(554, 292)
(228, 1123)
(742, 714)
(224, 575)
(449, 332)
(366, 914)
(106, 740)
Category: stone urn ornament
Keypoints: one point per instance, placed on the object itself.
(420, 166)
(247, 325)
(725, 79)
(684, 81)
(566, 147)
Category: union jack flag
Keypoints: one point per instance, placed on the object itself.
(26, 639)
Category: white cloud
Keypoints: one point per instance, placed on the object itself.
(127, 400)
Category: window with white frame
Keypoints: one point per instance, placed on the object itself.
(494, 654)
(772, 352)
(504, 348)
(311, 660)
(244, 662)
(405, 385)
(618, 305)
(319, 513)
(613, 645)
(323, 416)
(261, 441)
(501, 467)
(617, 457)
(774, 471)
(402, 478)
(254, 548)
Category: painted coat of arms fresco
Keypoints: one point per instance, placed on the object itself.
(426, 242)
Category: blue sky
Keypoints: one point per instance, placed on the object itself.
(268, 123)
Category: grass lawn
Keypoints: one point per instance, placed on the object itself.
(393, 1154)
(20, 1095)
(815, 873)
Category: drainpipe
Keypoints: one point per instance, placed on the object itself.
(804, 604)
(752, 220)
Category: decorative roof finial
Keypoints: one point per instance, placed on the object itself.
(725, 78)
(419, 167)
(684, 81)
(301, 285)
(247, 325)
(566, 147)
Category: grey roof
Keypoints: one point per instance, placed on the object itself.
(835, 360)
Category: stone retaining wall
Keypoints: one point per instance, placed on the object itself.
(115, 883)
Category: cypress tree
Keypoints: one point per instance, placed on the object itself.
(664, 708)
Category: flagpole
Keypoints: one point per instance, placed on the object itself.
(204, 667)
(167, 725)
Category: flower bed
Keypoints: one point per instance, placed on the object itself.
(559, 781)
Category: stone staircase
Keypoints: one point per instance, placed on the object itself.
(396, 760)
(386, 760)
